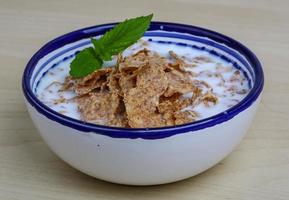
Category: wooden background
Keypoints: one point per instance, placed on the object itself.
(257, 169)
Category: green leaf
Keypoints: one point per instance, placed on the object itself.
(99, 50)
(111, 43)
(121, 36)
(85, 62)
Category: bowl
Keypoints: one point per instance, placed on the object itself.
(144, 156)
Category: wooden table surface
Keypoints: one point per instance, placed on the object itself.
(257, 169)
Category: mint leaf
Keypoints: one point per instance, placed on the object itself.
(121, 36)
(85, 63)
(111, 43)
(99, 50)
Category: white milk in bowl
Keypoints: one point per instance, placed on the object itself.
(210, 73)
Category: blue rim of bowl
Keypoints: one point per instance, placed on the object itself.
(144, 133)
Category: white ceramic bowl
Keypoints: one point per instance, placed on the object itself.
(153, 155)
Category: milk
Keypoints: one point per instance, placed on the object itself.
(50, 84)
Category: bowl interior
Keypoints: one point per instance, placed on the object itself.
(63, 49)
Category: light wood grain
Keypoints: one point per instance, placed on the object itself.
(257, 169)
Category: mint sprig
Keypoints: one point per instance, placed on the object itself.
(111, 43)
